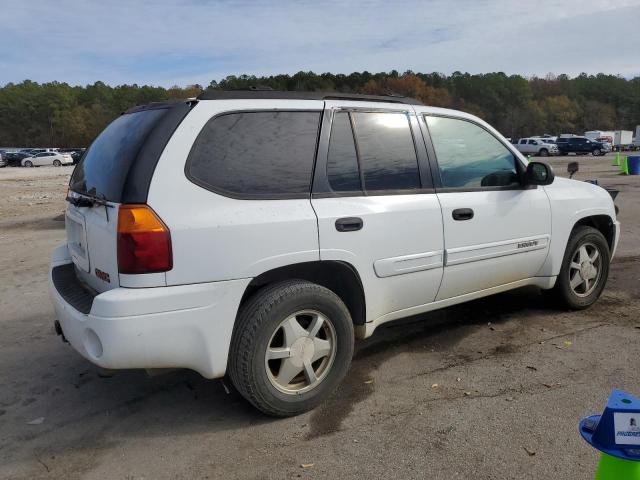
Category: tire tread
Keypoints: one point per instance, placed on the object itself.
(253, 314)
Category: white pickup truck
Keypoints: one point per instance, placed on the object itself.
(256, 234)
(536, 147)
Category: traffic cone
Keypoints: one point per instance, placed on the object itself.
(616, 434)
(625, 166)
(616, 160)
(611, 468)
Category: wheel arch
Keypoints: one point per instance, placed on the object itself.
(340, 277)
(603, 223)
(598, 218)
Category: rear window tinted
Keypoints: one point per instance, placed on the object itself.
(387, 154)
(342, 161)
(103, 171)
(267, 154)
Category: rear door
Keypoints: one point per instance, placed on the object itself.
(375, 204)
(42, 159)
(575, 145)
(495, 231)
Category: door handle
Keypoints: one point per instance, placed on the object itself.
(462, 214)
(349, 224)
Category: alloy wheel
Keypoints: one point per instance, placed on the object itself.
(585, 269)
(300, 352)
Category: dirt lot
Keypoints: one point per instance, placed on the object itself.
(493, 389)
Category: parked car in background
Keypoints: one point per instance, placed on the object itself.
(76, 153)
(579, 146)
(536, 146)
(3, 160)
(34, 151)
(47, 158)
(335, 214)
(14, 159)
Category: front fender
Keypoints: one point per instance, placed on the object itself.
(572, 201)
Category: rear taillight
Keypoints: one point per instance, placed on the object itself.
(144, 242)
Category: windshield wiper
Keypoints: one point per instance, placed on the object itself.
(80, 201)
(90, 202)
(87, 201)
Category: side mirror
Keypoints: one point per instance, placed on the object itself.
(538, 173)
(572, 168)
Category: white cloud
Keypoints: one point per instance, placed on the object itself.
(172, 41)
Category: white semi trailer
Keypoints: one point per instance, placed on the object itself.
(619, 139)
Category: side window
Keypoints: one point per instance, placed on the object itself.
(342, 161)
(523, 142)
(387, 155)
(532, 142)
(469, 156)
(264, 154)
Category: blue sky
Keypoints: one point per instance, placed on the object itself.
(167, 42)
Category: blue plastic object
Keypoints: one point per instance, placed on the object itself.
(633, 163)
(617, 431)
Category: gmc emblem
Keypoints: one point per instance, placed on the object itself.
(104, 276)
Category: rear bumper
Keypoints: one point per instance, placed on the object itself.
(186, 326)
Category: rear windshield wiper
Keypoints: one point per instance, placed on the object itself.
(80, 201)
(86, 201)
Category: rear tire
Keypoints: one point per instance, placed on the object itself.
(291, 347)
(585, 269)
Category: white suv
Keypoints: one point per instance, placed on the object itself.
(256, 233)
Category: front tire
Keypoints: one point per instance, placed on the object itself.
(544, 152)
(291, 348)
(28, 164)
(585, 269)
(57, 163)
(596, 152)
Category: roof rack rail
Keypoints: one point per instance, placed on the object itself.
(258, 93)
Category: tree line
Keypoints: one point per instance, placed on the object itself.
(57, 114)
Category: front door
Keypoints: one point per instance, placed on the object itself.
(496, 231)
(376, 207)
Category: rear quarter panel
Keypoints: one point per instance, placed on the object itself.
(219, 238)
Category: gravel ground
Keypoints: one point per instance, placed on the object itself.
(492, 389)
